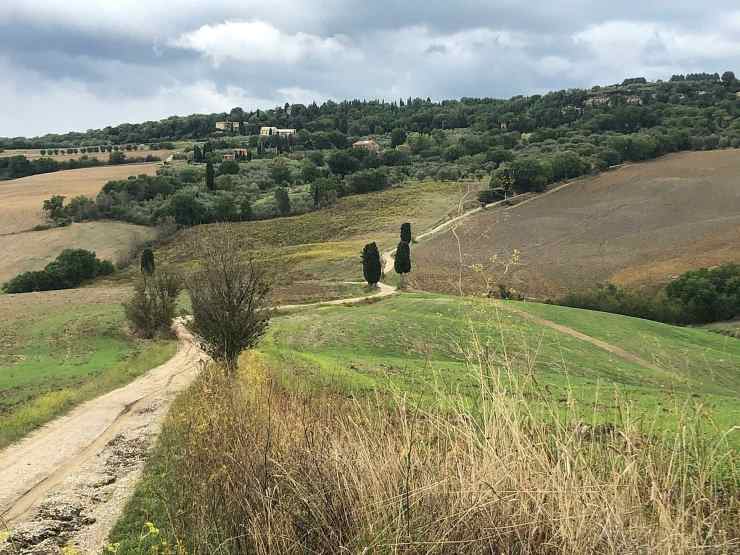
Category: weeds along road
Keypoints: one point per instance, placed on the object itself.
(71, 478)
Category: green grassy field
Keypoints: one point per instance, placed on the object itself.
(425, 353)
(59, 349)
(417, 345)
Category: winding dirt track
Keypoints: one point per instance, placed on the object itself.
(86, 464)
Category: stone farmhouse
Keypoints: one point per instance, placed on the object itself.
(269, 131)
(232, 126)
(370, 145)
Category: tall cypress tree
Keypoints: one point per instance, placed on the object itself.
(371, 267)
(210, 177)
(406, 232)
(147, 262)
(402, 262)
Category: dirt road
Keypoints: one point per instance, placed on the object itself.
(66, 481)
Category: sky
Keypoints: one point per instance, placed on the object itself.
(81, 64)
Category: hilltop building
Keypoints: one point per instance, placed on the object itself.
(269, 131)
(370, 145)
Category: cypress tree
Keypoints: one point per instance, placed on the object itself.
(210, 177)
(402, 262)
(245, 210)
(406, 232)
(283, 200)
(371, 267)
(316, 195)
(147, 262)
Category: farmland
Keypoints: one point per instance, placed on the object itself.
(60, 348)
(21, 199)
(35, 249)
(639, 225)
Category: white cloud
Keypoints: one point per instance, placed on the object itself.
(654, 48)
(259, 41)
(69, 105)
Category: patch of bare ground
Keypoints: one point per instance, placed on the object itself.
(638, 225)
(21, 199)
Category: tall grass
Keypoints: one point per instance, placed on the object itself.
(251, 467)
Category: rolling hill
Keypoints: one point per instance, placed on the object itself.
(639, 225)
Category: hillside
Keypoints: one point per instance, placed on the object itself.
(440, 400)
(33, 250)
(419, 344)
(21, 199)
(637, 225)
(312, 256)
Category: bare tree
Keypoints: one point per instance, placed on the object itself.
(229, 296)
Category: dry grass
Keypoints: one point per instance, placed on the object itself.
(253, 468)
(21, 199)
(638, 225)
(35, 249)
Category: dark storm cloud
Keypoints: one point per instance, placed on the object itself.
(130, 60)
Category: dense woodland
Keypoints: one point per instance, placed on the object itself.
(521, 144)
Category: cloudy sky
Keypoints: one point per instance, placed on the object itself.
(79, 64)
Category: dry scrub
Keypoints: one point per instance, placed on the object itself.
(255, 468)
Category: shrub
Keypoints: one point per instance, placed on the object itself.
(228, 167)
(366, 181)
(152, 307)
(708, 295)
(68, 270)
(229, 298)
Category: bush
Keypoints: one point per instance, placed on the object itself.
(70, 269)
(228, 167)
(152, 307)
(229, 299)
(366, 181)
(708, 295)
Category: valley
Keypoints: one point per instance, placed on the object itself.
(391, 366)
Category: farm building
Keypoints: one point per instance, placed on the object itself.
(268, 131)
(600, 100)
(370, 145)
(227, 126)
(236, 154)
